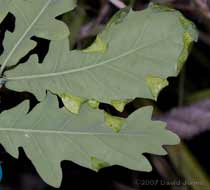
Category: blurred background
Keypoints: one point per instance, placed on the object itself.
(184, 105)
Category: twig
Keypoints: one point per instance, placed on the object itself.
(119, 4)
(203, 7)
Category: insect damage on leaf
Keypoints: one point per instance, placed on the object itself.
(156, 84)
(187, 38)
(114, 122)
(93, 103)
(119, 105)
(158, 7)
(98, 46)
(131, 58)
(72, 103)
(98, 164)
(119, 16)
(190, 35)
(118, 73)
(186, 23)
(78, 138)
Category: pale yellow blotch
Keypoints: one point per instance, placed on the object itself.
(159, 7)
(156, 84)
(185, 22)
(187, 39)
(119, 105)
(115, 123)
(93, 103)
(98, 46)
(72, 103)
(119, 17)
(190, 35)
(97, 164)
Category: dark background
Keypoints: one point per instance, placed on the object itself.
(188, 162)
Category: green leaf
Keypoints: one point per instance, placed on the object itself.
(49, 135)
(33, 18)
(148, 43)
(3, 9)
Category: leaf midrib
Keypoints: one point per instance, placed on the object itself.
(28, 131)
(23, 36)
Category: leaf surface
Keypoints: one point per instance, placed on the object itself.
(143, 44)
(49, 136)
(33, 18)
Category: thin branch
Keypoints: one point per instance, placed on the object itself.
(119, 4)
